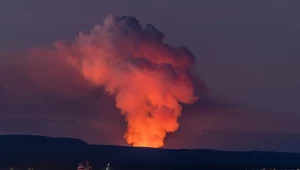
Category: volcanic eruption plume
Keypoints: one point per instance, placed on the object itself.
(148, 78)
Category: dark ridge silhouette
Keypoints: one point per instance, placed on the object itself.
(41, 151)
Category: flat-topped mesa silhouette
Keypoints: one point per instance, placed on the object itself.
(18, 150)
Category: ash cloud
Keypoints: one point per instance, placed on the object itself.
(148, 80)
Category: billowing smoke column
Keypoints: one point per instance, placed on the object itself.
(148, 78)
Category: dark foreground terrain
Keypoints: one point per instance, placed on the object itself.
(43, 153)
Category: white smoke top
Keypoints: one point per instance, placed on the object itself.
(148, 78)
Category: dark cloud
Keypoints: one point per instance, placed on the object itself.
(94, 132)
(29, 104)
(92, 118)
(210, 104)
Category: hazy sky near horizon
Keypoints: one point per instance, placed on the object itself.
(247, 51)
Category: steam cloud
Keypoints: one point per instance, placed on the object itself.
(148, 78)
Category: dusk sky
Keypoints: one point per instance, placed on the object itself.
(247, 53)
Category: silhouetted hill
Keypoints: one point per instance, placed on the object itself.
(26, 150)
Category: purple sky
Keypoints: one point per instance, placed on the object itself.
(246, 51)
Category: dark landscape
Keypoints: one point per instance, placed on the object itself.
(40, 152)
